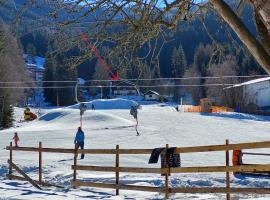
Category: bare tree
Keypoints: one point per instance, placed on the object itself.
(130, 24)
(195, 83)
(12, 69)
(229, 97)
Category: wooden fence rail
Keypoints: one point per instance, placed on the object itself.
(166, 171)
(250, 145)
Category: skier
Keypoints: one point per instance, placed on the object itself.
(16, 139)
(79, 140)
(134, 113)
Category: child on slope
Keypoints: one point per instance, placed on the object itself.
(16, 139)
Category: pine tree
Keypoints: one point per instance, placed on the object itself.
(56, 69)
(7, 118)
(12, 68)
(178, 62)
(178, 67)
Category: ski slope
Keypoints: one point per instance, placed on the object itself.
(111, 124)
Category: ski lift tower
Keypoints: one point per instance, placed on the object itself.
(82, 106)
(80, 81)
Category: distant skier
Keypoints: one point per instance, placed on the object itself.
(79, 140)
(93, 107)
(134, 113)
(82, 108)
(16, 139)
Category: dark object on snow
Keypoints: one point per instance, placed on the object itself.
(134, 111)
(83, 108)
(155, 155)
(172, 159)
(93, 107)
(81, 145)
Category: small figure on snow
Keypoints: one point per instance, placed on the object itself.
(82, 108)
(134, 113)
(79, 140)
(93, 107)
(16, 139)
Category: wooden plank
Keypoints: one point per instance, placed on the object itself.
(251, 145)
(10, 158)
(24, 175)
(174, 190)
(40, 163)
(256, 154)
(227, 156)
(206, 169)
(117, 169)
(48, 150)
(90, 184)
(43, 183)
(166, 174)
(75, 164)
(220, 190)
(121, 169)
(141, 188)
(241, 168)
(114, 186)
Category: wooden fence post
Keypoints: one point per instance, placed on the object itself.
(10, 158)
(228, 194)
(40, 162)
(75, 165)
(166, 174)
(117, 169)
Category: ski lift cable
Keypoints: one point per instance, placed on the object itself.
(128, 86)
(146, 79)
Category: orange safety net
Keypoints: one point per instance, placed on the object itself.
(194, 109)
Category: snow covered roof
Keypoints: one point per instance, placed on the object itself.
(151, 92)
(258, 80)
(38, 62)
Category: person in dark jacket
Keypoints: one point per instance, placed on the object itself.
(79, 140)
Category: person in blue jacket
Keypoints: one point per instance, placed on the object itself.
(79, 140)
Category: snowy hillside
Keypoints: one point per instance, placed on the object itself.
(111, 124)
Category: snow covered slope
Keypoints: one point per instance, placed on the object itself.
(111, 124)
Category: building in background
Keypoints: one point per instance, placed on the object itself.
(151, 95)
(124, 88)
(256, 92)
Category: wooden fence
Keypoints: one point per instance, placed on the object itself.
(166, 189)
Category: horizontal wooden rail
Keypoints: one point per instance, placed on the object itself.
(220, 190)
(174, 190)
(119, 169)
(241, 168)
(253, 145)
(206, 169)
(43, 183)
(48, 150)
(121, 186)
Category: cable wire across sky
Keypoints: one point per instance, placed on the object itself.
(144, 79)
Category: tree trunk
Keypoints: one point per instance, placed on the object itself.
(255, 48)
(262, 18)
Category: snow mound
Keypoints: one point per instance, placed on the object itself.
(118, 103)
(53, 115)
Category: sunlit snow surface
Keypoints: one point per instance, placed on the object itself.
(159, 124)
